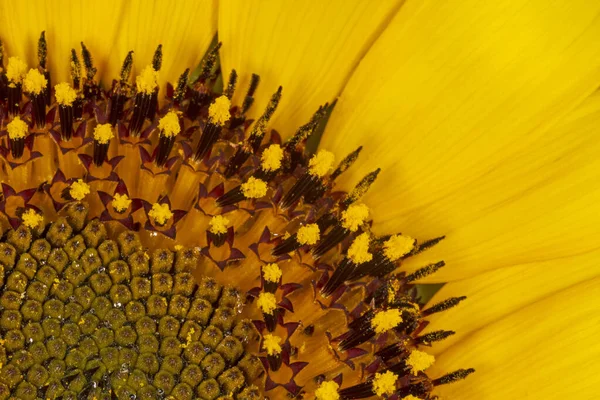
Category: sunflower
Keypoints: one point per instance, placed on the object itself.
(246, 199)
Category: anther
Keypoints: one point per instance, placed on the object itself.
(146, 84)
(318, 167)
(305, 236)
(346, 163)
(432, 337)
(42, 57)
(217, 230)
(75, 70)
(443, 306)
(15, 72)
(357, 256)
(156, 65)
(360, 189)
(425, 271)
(352, 219)
(249, 99)
(231, 84)
(180, 90)
(120, 92)
(168, 128)
(17, 132)
(65, 97)
(102, 135)
(35, 85)
(157, 58)
(218, 115)
(209, 62)
(453, 377)
(253, 188)
(90, 88)
(425, 245)
(272, 345)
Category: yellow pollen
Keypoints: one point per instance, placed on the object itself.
(384, 383)
(121, 202)
(218, 224)
(321, 163)
(17, 128)
(271, 344)
(79, 189)
(188, 338)
(358, 251)
(393, 288)
(147, 81)
(177, 248)
(31, 219)
(419, 361)
(410, 397)
(271, 158)
(160, 213)
(15, 71)
(65, 94)
(254, 188)
(383, 321)
(267, 302)
(169, 125)
(103, 133)
(219, 110)
(355, 216)
(34, 82)
(309, 234)
(327, 391)
(271, 272)
(398, 246)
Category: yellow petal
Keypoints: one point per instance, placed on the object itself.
(496, 294)
(547, 350)
(454, 103)
(67, 23)
(184, 28)
(308, 47)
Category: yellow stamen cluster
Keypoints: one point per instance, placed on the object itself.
(385, 384)
(308, 234)
(121, 202)
(218, 225)
(271, 272)
(15, 71)
(271, 344)
(410, 397)
(271, 158)
(358, 251)
(355, 216)
(147, 81)
(160, 213)
(327, 391)
(321, 163)
(79, 189)
(17, 128)
(398, 246)
(419, 361)
(267, 302)
(65, 94)
(254, 188)
(383, 321)
(34, 82)
(218, 111)
(32, 219)
(169, 125)
(103, 133)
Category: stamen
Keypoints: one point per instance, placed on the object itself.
(385, 383)
(231, 84)
(15, 73)
(160, 213)
(253, 188)
(79, 189)
(35, 85)
(32, 219)
(419, 361)
(272, 345)
(200, 95)
(249, 99)
(157, 58)
(432, 337)
(17, 132)
(346, 163)
(90, 88)
(169, 128)
(210, 61)
(271, 275)
(156, 65)
(65, 97)
(120, 92)
(319, 165)
(103, 133)
(146, 83)
(426, 245)
(121, 202)
(328, 390)
(267, 302)
(75, 69)
(360, 189)
(383, 321)
(453, 377)
(443, 306)
(425, 271)
(218, 115)
(42, 57)
(181, 87)
(358, 254)
(217, 230)
(351, 220)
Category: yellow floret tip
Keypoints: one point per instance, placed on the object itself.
(355, 216)
(218, 111)
(327, 391)
(17, 128)
(358, 251)
(103, 133)
(267, 302)
(218, 224)
(15, 71)
(160, 213)
(271, 272)
(321, 163)
(32, 219)
(147, 81)
(410, 397)
(384, 383)
(34, 82)
(271, 344)
(65, 94)
(308, 234)
(121, 202)
(383, 321)
(398, 246)
(169, 125)
(271, 158)
(254, 188)
(419, 361)
(79, 189)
